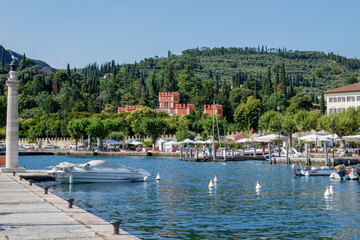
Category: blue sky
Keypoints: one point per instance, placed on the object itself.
(80, 32)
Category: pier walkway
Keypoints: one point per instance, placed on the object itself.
(27, 213)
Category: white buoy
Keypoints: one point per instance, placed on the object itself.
(327, 192)
(211, 184)
(307, 174)
(215, 179)
(331, 190)
(258, 186)
(158, 177)
(71, 179)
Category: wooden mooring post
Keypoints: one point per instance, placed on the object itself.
(224, 153)
(181, 153)
(191, 153)
(326, 155)
(287, 153)
(254, 152)
(232, 153)
(306, 154)
(186, 153)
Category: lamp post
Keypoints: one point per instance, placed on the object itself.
(278, 108)
(333, 143)
(259, 129)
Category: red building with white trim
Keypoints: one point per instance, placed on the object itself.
(128, 108)
(209, 109)
(184, 109)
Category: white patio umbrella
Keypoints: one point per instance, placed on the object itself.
(245, 140)
(352, 138)
(188, 141)
(135, 142)
(270, 138)
(311, 137)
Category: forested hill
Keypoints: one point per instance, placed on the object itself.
(5, 56)
(230, 75)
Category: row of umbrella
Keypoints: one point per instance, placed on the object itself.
(266, 138)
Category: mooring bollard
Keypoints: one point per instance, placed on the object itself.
(70, 201)
(31, 182)
(46, 190)
(14, 173)
(116, 224)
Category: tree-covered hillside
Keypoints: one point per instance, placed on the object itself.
(240, 79)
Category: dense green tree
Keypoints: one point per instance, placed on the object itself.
(247, 114)
(239, 95)
(275, 100)
(170, 80)
(188, 85)
(351, 80)
(269, 121)
(298, 102)
(288, 125)
(78, 128)
(153, 127)
(345, 123)
(96, 128)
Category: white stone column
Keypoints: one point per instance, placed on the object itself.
(12, 125)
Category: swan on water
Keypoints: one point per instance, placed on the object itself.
(158, 177)
(331, 190)
(215, 179)
(211, 183)
(327, 192)
(258, 186)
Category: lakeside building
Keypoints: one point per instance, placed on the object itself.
(210, 109)
(169, 103)
(184, 109)
(128, 108)
(342, 98)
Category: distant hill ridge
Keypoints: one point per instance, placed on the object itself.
(8, 59)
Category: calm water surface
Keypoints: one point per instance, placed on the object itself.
(181, 206)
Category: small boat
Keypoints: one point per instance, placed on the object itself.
(342, 173)
(97, 171)
(312, 171)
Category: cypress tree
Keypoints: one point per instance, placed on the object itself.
(24, 61)
(322, 102)
(313, 83)
(276, 82)
(282, 77)
(68, 70)
(269, 88)
(210, 75)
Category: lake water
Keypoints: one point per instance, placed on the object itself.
(181, 206)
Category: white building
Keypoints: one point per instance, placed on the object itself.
(342, 98)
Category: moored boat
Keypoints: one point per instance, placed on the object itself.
(312, 171)
(97, 171)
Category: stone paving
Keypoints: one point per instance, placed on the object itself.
(27, 213)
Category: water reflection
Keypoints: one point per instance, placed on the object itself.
(181, 206)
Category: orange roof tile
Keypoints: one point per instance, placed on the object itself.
(349, 88)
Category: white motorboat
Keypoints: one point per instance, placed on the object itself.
(97, 171)
(312, 171)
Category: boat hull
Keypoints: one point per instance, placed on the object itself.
(101, 177)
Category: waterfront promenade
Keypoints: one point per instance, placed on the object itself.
(27, 213)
